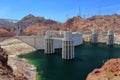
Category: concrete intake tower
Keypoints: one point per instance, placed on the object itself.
(67, 44)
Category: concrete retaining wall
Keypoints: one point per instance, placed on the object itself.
(38, 41)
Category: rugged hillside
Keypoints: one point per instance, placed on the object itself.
(99, 22)
(32, 25)
(6, 31)
(6, 72)
(109, 71)
(74, 24)
(6, 23)
(7, 28)
(30, 20)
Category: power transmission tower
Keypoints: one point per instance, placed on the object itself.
(99, 11)
(67, 16)
(79, 11)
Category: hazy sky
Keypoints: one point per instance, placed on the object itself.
(58, 10)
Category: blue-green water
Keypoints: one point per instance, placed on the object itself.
(88, 57)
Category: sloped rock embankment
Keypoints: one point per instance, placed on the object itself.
(6, 72)
(109, 71)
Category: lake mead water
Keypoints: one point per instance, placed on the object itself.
(88, 57)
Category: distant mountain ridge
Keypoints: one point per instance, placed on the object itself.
(32, 24)
(31, 20)
(77, 23)
(7, 22)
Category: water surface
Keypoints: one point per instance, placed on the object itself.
(87, 58)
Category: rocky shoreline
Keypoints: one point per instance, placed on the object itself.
(20, 67)
(6, 71)
(109, 71)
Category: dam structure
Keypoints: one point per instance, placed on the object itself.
(66, 40)
(49, 43)
(67, 46)
(110, 37)
(94, 36)
(67, 43)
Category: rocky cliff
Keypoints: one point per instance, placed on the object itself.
(6, 72)
(109, 71)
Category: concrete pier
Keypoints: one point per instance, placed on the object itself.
(94, 38)
(67, 46)
(49, 43)
(110, 37)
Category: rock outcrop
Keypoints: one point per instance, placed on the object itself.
(6, 31)
(109, 71)
(6, 72)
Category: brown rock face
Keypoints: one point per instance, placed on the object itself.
(6, 72)
(6, 31)
(3, 62)
(101, 23)
(109, 71)
(32, 20)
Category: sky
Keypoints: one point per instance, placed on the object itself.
(59, 10)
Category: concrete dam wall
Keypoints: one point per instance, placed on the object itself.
(38, 41)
